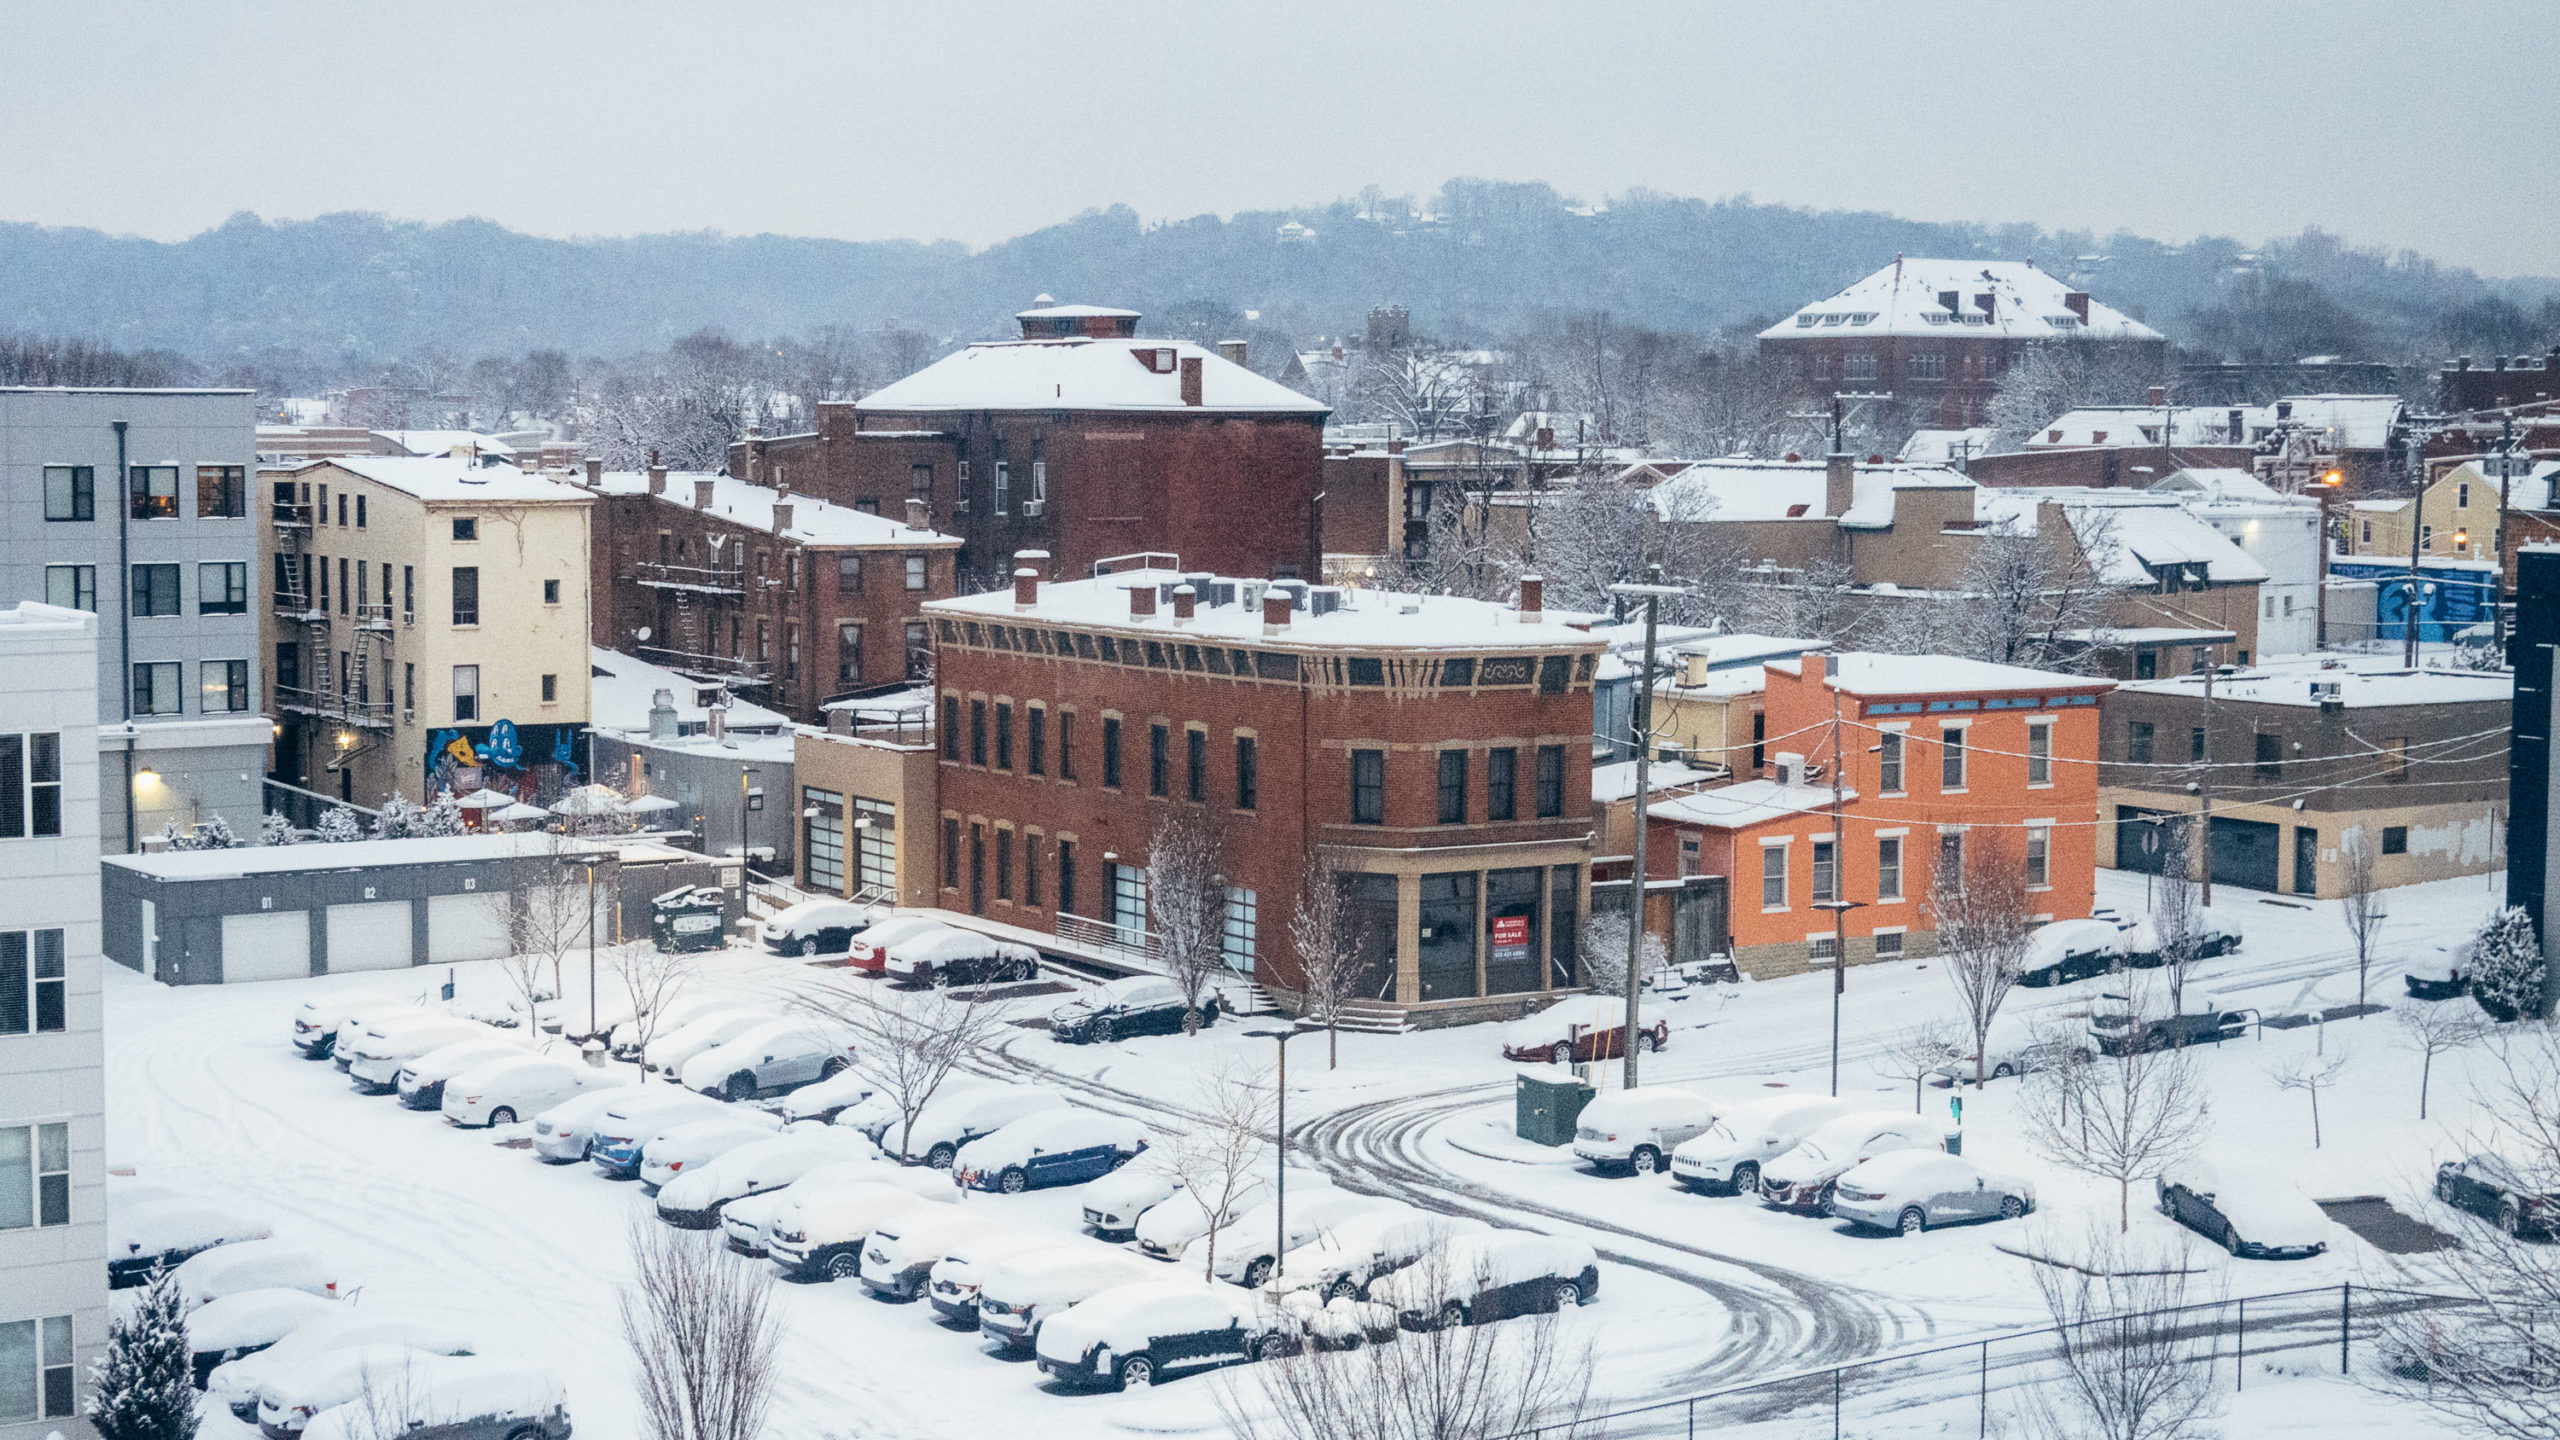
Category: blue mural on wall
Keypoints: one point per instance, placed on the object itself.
(2451, 596)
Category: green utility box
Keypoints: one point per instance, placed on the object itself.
(687, 918)
(1549, 1108)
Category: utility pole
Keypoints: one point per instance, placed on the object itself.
(1839, 901)
(2417, 517)
(2498, 581)
(1652, 592)
(2204, 785)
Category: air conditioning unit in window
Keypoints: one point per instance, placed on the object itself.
(1034, 509)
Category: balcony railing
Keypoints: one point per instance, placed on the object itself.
(373, 617)
(706, 580)
(726, 667)
(331, 705)
(290, 516)
(1126, 943)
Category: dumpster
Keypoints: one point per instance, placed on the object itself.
(1549, 1104)
(687, 918)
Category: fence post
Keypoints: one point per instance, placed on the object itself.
(1835, 1405)
(2240, 1349)
(2346, 1289)
(1693, 1417)
(1982, 1428)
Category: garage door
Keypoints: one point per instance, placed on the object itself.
(2244, 853)
(466, 927)
(270, 945)
(369, 937)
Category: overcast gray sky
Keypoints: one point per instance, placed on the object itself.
(2421, 123)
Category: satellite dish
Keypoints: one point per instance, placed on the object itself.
(642, 633)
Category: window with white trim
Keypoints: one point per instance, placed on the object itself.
(33, 982)
(1888, 944)
(36, 1368)
(2039, 857)
(1889, 868)
(1951, 758)
(2040, 752)
(1243, 927)
(1822, 949)
(1889, 762)
(1773, 877)
(35, 1175)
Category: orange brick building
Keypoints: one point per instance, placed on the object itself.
(1943, 753)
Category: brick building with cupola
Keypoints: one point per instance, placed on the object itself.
(1433, 751)
(1082, 440)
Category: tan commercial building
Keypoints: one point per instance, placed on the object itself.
(428, 629)
(866, 807)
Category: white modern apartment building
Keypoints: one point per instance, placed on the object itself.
(135, 505)
(53, 1223)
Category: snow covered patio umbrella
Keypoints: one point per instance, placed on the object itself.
(589, 800)
(649, 805)
(483, 800)
(520, 813)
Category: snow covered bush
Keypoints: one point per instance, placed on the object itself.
(275, 829)
(1604, 953)
(443, 818)
(2506, 966)
(338, 824)
(398, 819)
(215, 834)
(142, 1388)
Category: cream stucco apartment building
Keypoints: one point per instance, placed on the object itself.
(428, 628)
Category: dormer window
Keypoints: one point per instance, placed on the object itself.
(1159, 360)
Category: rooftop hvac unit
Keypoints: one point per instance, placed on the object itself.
(1251, 593)
(1326, 599)
(1222, 592)
(1296, 590)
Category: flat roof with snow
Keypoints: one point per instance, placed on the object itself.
(443, 479)
(1085, 374)
(1860, 672)
(813, 521)
(1367, 619)
(312, 856)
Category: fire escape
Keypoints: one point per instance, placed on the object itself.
(351, 688)
(695, 603)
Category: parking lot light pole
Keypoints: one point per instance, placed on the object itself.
(1280, 1137)
(591, 862)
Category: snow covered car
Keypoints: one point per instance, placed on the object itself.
(254, 1265)
(143, 1237)
(507, 1089)
(2490, 1187)
(953, 1283)
(287, 1402)
(898, 1259)
(1339, 1324)
(1138, 1334)
(1914, 1190)
(824, 1100)
(2208, 935)
(2440, 972)
(376, 1055)
(1245, 1253)
(247, 1322)
(814, 927)
(2151, 1020)
(1636, 1130)
(693, 1200)
(1478, 1279)
(2062, 951)
(630, 1124)
(748, 1224)
(565, 1133)
(1114, 1204)
(668, 1053)
(420, 1083)
(771, 1058)
(2254, 1214)
(698, 1143)
(1580, 1027)
(1801, 1179)
(948, 1122)
(235, 1384)
(1726, 1157)
(870, 949)
(819, 1235)
(1347, 1259)
(1132, 1005)
(319, 1021)
(1049, 1147)
(951, 956)
(1019, 1297)
(624, 1040)
(2013, 1049)
(472, 1399)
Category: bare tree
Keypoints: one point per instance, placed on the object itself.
(1916, 1054)
(2438, 1029)
(2049, 381)
(1323, 931)
(1985, 918)
(1217, 1158)
(2037, 598)
(2361, 903)
(1187, 901)
(2134, 1365)
(702, 1329)
(2310, 1074)
(1458, 1382)
(2120, 1117)
(652, 979)
(550, 914)
(2175, 915)
(908, 1047)
(1604, 952)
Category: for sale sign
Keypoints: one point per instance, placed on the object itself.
(1510, 937)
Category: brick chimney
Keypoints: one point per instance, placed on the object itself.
(702, 493)
(1817, 666)
(1026, 588)
(1533, 599)
(2077, 302)
(1275, 613)
(919, 514)
(1191, 380)
(1037, 561)
(595, 474)
(2159, 394)
(1142, 602)
(657, 479)
(1839, 483)
(1183, 598)
(1231, 351)
(755, 458)
(781, 516)
(782, 479)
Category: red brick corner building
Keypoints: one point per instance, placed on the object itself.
(1435, 752)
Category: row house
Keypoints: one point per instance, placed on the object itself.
(1941, 754)
(788, 598)
(1431, 755)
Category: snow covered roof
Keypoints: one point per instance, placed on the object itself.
(2129, 534)
(445, 442)
(1074, 312)
(1749, 803)
(2351, 422)
(2113, 425)
(2219, 484)
(1734, 489)
(442, 478)
(2364, 682)
(1866, 673)
(2004, 298)
(813, 521)
(1939, 447)
(620, 690)
(376, 854)
(1368, 620)
(1617, 781)
(2529, 489)
(1084, 374)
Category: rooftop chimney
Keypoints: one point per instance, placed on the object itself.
(2077, 302)
(2159, 394)
(595, 474)
(1183, 599)
(716, 719)
(1191, 380)
(782, 479)
(919, 514)
(781, 516)
(1142, 602)
(657, 479)
(2284, 409)
(1026, 588)
(1275, 613)
(1231, 351)
(662, 715)
(1533, 599)
(702, 494)
(755, 458)
(1839, 484)
(1817, 666)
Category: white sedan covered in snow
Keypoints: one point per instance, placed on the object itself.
(288, 1401)
(375, 1055)
(1914, 1190)
(748, 1223)
(777, 1056)
(1636, 1130)
(1114, 1204)
(319, 1021)
(421, 1081)
(247, 1322)
(236, 1384)
(693, 1200)
(512, 1087)
(1345, 1260)
(668, 1053)
(1138, 1334)
(1018, 1298)
(147, 1235)
(955, 1278)
(1728, 1155)
(254, 1265)
(948, 1122)
(695, 1143)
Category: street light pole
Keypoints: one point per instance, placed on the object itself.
(2417, 515)
(1280, 1140)
(591, 946)
(1652, 593)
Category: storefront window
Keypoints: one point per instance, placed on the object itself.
(1564, 926)
(1448, 953)
(875, 846)
(1372, 912)
(822, 840)
(1511, 930)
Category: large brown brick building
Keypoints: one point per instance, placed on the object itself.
(1435, 751)
(1081, 440)
(787, 597)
